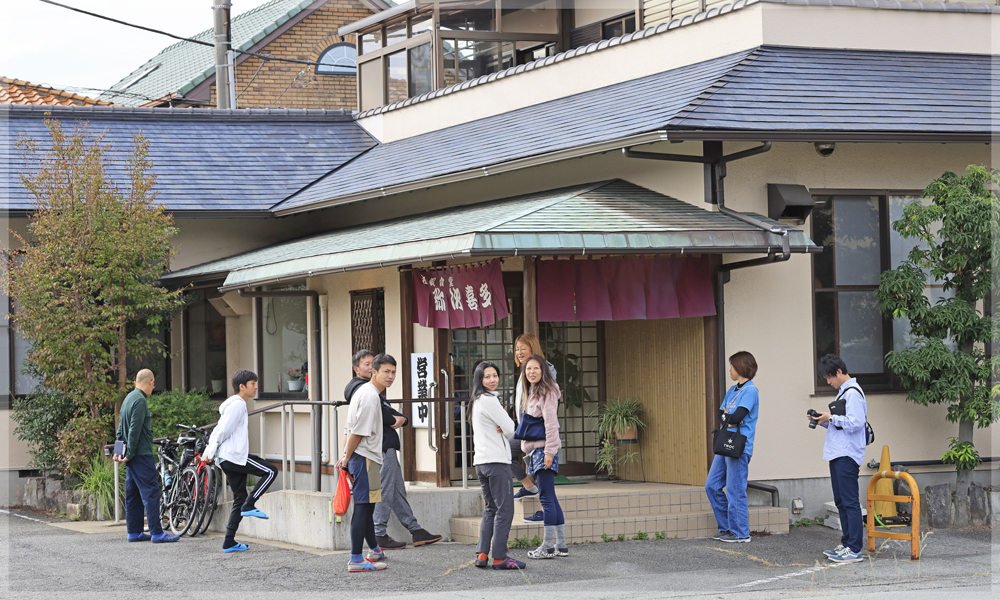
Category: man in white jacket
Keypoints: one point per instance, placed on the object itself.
(230, 441)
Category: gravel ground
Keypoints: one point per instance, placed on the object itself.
(50, 561)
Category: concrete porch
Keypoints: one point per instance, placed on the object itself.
(604, 507)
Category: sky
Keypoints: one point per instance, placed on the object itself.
(49, 45)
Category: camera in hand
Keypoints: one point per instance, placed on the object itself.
(815, 415)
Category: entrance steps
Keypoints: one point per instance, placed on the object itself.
(603, 507)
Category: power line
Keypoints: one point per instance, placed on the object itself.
(177, 37)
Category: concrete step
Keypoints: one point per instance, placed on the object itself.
(689, 524)
(594, 500)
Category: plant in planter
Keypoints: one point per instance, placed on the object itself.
(217, 377)
(295, 381)
(621, 419)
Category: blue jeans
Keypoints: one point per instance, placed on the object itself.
(730, 506)
(142, 490)
(545, 479)
(844, 479)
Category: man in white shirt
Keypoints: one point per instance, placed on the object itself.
(363, 460)
(230, 441)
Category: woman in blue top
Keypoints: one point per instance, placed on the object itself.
(737, 413)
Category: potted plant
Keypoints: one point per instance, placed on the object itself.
(295, 381)
(620, 419)
(217, 377)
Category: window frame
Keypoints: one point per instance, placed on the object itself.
(319, 64)
(620, 18)
(887, 381)
(259, 342)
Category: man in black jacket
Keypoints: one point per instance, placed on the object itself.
(393, 489)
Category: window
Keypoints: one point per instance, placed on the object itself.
(204, 345)
(368, 321)
(858, 244)
(338, 59)
(574, 350)
(282, 330)
(618, 26)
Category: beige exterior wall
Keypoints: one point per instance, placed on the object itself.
(769, 309)
(775, 24)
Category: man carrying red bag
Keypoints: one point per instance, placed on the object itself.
(363, 460)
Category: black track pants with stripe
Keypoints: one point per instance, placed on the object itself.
(237, 476)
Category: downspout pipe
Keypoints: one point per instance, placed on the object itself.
(316, 377)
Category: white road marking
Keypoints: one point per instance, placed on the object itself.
(786, 576)
(21, 516)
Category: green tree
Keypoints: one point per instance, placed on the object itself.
(85, 275)
(948, 364)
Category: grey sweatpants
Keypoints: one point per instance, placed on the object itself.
(393, 496)
(499, 514)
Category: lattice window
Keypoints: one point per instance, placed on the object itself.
(368, 320)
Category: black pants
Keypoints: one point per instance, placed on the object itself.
(237, 476)
(517, 460)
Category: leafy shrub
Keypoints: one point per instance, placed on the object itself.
(41, 416)
(168, 408)
(98, 478)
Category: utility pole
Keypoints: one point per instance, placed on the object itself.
(223, 44)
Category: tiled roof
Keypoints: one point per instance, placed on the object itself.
(807, 89)
(609, 216)
(763, 93)
(603, 114)
(674, 24)
(178, 68)
(15, 91)
(203, 159)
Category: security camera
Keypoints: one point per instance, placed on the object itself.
(825, 149)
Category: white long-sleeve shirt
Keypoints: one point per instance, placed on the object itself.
(491, 446)
(230, 439)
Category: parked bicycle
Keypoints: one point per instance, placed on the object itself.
(189, 486)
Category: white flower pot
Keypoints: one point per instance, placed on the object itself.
(295, 386)
(217, 385)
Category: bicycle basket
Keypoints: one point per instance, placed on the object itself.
(199, 444)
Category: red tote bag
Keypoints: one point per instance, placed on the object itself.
(342, 497)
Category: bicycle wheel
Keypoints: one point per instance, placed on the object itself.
(212, 498)
(183, 501)
(201, 506)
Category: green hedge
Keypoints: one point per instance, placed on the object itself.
(169, 408)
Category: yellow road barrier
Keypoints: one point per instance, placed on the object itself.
(914, 500)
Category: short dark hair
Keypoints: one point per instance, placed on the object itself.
(242, 377)
(382, 359)
(744, 364)
(830, 364)
(360, 356)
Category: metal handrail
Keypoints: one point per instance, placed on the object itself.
(430, 418)
(447, 422)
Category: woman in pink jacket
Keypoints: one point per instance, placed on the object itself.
(542, 394)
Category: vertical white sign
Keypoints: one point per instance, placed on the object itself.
(421, 368)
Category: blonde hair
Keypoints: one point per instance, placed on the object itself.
(531, 341)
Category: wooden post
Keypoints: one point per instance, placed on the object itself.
(406, 347)
(530, 295)
(712, 325)
(442, 416)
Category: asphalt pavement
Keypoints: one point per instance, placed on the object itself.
(83, 561)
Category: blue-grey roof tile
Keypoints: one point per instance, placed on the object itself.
(765, 89)
(203, 159)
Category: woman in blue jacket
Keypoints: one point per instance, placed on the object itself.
(738, 413)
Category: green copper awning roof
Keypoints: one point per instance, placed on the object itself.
(609, 217)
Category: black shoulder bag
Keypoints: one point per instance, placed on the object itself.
(729, 443)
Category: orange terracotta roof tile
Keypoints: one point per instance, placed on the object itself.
(15, 91)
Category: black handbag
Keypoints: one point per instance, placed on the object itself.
(530, 429)
(729, 443)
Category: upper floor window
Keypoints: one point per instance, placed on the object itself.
(338, 59)
(618, 26)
